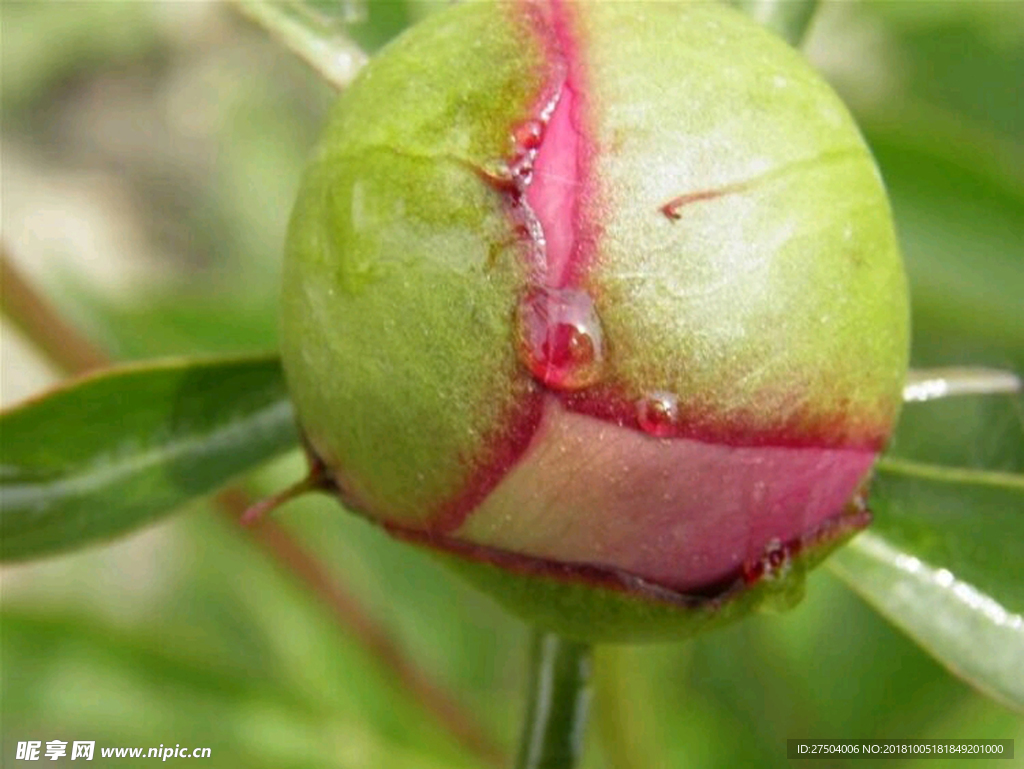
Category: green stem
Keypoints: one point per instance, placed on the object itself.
(559, 697)
(788, 18)
(624, 708)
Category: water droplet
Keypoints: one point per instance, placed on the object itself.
(520, 171)
(527, 136)
(559, 337)
(779, 576)
(774, 564)
(657, 414)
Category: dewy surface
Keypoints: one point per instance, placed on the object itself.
(624, 294)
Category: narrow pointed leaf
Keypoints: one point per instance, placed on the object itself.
(944, 561)
(105, 454)
(310, 36)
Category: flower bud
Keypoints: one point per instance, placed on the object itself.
(602, 302)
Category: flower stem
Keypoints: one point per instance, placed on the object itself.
(559, 698)
(790, 19)
(624, 708)
(40, 322)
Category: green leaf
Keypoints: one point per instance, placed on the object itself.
(157, 680)
(111, 452)
(944, 561)
(980, 432)
(310, 36)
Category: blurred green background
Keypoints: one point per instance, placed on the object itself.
(150, 155)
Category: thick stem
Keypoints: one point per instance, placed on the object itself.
(790, 19)
(330, 53)
(559, 698)
(624, 708)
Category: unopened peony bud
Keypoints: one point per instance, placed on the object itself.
(603, 303)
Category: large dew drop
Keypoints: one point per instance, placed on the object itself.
(559, 337)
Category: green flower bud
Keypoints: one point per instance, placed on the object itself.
(601, 302)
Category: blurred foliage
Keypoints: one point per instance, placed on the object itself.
(151, 153)
(124, 447)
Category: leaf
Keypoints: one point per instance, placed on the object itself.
(944, 561)
(961, 238)
(156, 680)
(310, 36)
(981, 432)
(111, 452)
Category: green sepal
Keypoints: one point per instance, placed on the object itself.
(582, 611)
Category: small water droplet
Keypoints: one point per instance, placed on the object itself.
(559, 337)
(657, 414)
(520, 170)
(528, 135)
(779, 575)
(774, 564)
